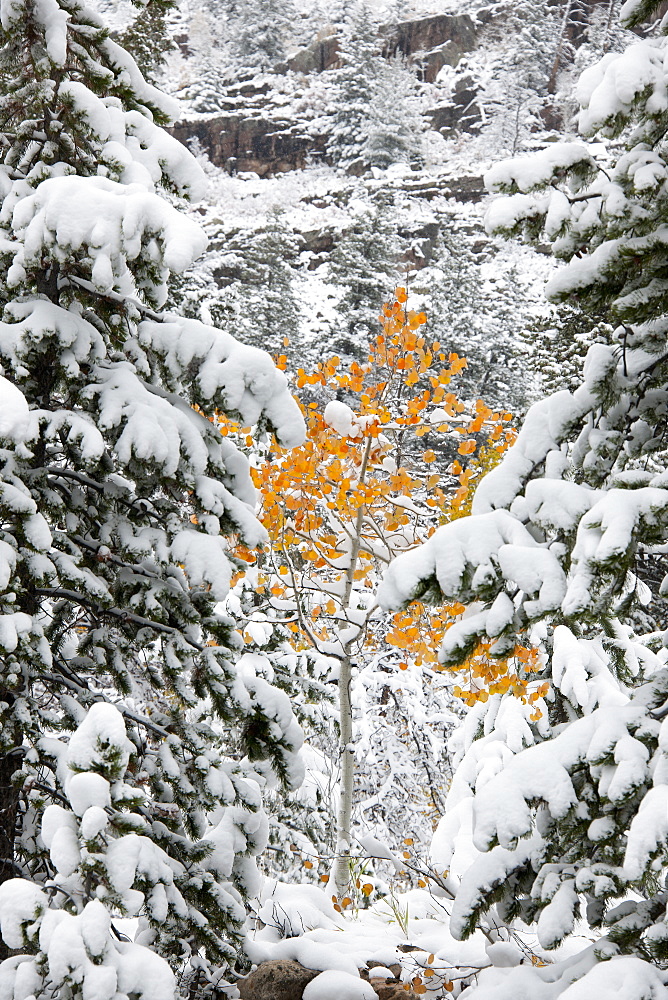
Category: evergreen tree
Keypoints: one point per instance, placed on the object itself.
(362, 266)
(209, 68)
(480, 316)
(261, 306)
(206, 92)
(376, 119)
(128, 736)
(245, 284)
(530, 46)
(147, 37)
(259, 30)
(566, 786)
(355, 87)
(394, 131)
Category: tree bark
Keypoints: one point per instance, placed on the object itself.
(9, 799)
(347, 752)
(341, 867)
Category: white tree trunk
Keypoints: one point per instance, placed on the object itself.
(341, 868)
(341, 871)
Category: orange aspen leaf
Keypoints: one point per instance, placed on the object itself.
(467, 447)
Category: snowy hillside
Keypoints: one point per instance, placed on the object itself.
(422, 214)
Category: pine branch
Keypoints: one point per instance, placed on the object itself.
(124, 616)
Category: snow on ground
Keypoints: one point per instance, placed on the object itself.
(403, 928)
(306, 199)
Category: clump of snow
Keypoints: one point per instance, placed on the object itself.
(14, 416)
(82, 949)
(205, 559)
(374, 848)
(22, 904)
(504, 954)
(526, 173)
(611, 86)
(648, 833)
(64, 851)
(143, 973)
(309, 951)
(341, 418)
(100, 741)
(294, 909)
(93, 822)
(333, 985)
(86, 789)
(128, 73)
(623, 977)
(557, 919)
(161, 154)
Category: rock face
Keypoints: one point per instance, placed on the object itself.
(429, 42)
(433, 42)
(461, 113)
(280, 979)
(321, 54)
(264, 145)
(263, 142)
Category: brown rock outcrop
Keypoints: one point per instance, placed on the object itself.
(387, 990)
(429, 42)
(461, 113)
(280, 979)
(433, 42)
(320, 55)
(264, 145)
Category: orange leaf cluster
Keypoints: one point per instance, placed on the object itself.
(497, 675)
(338, 506)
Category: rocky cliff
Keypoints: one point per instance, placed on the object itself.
(256, 135)
(428, 42)
(258, 139)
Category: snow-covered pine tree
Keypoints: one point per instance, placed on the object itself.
(478, 309)
(395, 125)
(205, 75)
(362, 266)
(355, 87)
(127, 733)
(147, 37)
(261, 306)
(530, 45)
(259, 30)
(245, 283)
(566, 790)
(376, 119)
